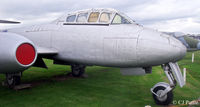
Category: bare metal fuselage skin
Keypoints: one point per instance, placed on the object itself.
(123, 45)
(102, 37)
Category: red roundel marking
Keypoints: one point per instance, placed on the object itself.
(25, 54)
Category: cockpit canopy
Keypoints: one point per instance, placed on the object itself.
(95, 16)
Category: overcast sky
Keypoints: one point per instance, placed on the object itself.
(163, 15)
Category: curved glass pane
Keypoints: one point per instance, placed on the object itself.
(71, 18)
(82, 17)
(120, 20)
(93, 17)
(105, 17)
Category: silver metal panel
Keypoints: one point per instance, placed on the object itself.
(120, 50)
(112, 45)
(132, 71)
(38, 34)
(42, 50)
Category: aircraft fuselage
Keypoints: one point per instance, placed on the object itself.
(106, 45)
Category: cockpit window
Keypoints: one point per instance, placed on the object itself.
(82, 17)
(71, 18)
(120, 20)
(105, 17)
(93, 17)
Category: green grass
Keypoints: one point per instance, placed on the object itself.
(105, 87)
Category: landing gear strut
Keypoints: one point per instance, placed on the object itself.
(13, 79)
(78, 70)
(162, 92)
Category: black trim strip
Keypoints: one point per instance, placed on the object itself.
(86, 24)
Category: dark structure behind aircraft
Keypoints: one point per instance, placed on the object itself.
(191, 42)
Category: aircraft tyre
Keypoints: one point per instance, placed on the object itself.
(165, 100)
(12, 81)
(78, 70)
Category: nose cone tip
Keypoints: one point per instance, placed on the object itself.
(177, 50)
(181, 51)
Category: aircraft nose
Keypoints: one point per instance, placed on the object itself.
(155, 48)
(177, 49)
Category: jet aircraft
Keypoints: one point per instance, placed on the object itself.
(102, 37)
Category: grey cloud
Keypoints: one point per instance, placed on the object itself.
(39, 7)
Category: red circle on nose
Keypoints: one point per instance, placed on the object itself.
(25, 54)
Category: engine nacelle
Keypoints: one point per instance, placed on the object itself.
(17, 53)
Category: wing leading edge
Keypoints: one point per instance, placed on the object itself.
(9, 22)
(46, 51)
